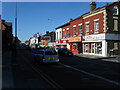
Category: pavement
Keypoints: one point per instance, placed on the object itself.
(109, 59)
(18, 74)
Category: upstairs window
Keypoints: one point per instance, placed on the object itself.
(64, 34)
(115, 10)
(60, 35)
(96, 26)
(87, 28)
(115, 24)
(74, 29)
(80, 28)
(68, 34)
(57, 36)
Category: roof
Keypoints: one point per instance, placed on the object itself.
(7, 24)
(66, 24)
(108, 4)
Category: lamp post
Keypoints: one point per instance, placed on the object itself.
(15, 38)
(16, 20)
(53, 35)
(15, 27)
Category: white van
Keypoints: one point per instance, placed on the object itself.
(46, 56)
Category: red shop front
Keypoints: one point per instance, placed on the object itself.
(61, 43)
(75, 44)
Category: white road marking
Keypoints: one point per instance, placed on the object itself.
(93, 75)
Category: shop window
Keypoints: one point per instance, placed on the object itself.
(98, 49)
(74, 47)
(92, 48)
(115, 25)
(86, 48)
(96, 26)
(115, 10)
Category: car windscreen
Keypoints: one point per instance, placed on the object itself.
(65, 49)
(39, 52)
(50, 53)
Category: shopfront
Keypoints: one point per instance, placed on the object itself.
(63, 43)
(94, 44)
(101, 44)
(93, 47)
(75, 44)
(58, 44)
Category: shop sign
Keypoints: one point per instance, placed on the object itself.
(74, 39)
(64, 42)
(44, 42)
(46, 38)
(56, 41)
(94, 37)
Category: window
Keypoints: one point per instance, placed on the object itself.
(115, 45)
(87, 28)
(74, 29)
(57, 36)
(50, 53)
(68, 33)
(74, 47)
(80, 29)
(60, 34)
(39, 52)
(115, 10)
(115, 25)
(64, 34)
(96, 26)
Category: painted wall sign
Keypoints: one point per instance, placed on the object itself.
(74, 39)
(94, 37)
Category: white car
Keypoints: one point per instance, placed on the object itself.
(46, 56)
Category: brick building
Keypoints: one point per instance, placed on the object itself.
(7, 36)
(96, 32)
(62, 34)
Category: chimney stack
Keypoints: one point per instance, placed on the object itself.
(47, 32)
(71, 19)
(92, 6)
(3, 20)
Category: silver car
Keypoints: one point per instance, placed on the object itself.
(46, 56)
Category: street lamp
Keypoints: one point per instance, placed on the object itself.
(53, 37)
(15, 39)
(16, 20)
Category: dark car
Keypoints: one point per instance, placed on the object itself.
(64, 52)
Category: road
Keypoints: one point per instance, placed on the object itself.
(76, 72)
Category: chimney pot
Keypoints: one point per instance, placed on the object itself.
(92, 6)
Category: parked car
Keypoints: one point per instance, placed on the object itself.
(64, 52)
(56, 49)
(46, 56)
